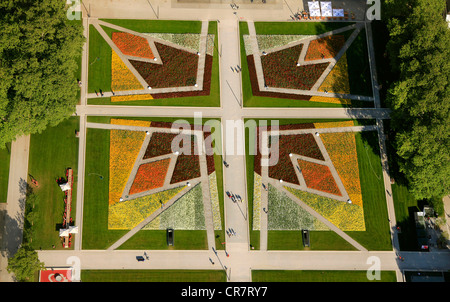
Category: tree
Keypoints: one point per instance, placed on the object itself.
(420, 99)
(24, 264)
(39, 47)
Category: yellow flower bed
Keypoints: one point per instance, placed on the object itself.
(337, 80)
(323, 99)
(133, 97)
(334, 124)
(121, 77)
(347, 217)
(124, 149)
(128, 214)
(341, 148)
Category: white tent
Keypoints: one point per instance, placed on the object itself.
(326, 9)
(65, 187)
(338, 12)
(63, 232)
(73, 229)
(66, 232)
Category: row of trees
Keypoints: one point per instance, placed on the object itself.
(39, 59)
(419, 54)
(39, 51)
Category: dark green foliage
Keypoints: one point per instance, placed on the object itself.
(39, 52)
(419, 53)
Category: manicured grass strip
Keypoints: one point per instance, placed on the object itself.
(4, 171)
(51, 153)
(376, 236)
(99, 68)
(298, 28)
(158, 26)
(96, 195)
(153, 276)
(319, 276)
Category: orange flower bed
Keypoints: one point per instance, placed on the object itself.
(132, 45)
(324, 48)
(150, 176)
(318, 177)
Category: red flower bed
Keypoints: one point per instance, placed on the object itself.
(301, 144)
(160, 144)
(206, 84)
(187, 166)
(179, 68)
(257, 92)
(132, 45)
(281, 71)
(325, 48)
(150, 176)
(318, 177)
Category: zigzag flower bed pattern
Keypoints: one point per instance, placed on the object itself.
(341, 148)
(125, 147)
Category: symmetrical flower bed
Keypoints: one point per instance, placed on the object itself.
(132, 45)
(187, 211)
(281, 71)
(318, 177)
(325, 48)
(341, 148)
(121, 77)
(179, 68)
(150, 176)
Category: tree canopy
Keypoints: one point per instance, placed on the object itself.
(39, 51)
(24, 264)
(419, 52)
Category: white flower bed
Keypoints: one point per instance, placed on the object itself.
(191, 41)
(185, 214)
(257, 183)
(267, 42)
(214, 196)
(286, 214)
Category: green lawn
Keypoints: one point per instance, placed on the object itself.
(51, 153)
(153, 275)
(319, 276)
(100, 70)
(4, 171)
(376, 236)
(359, 75)
(95, 232)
